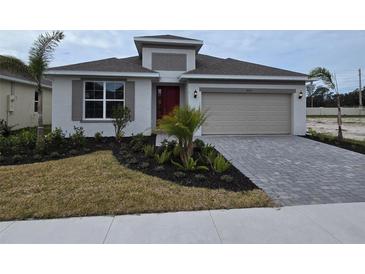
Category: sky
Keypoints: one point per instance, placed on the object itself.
(342, 52)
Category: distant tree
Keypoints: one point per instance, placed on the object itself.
(330, 83)
(315, 91)
(40, 55)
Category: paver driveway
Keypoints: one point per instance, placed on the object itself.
(294, 170)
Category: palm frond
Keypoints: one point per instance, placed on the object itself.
(15, 65)
(324, 75)
(41, 53)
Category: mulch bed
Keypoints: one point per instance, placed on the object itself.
(211, 179)
(64, 151)
(344, 144)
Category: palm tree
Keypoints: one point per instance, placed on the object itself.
(40, 55)
(330, 83)
(182, 123)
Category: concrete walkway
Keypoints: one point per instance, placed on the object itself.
(294, 170)
(330, 223)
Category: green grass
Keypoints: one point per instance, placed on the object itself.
(96, 184)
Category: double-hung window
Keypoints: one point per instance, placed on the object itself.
(101, 97)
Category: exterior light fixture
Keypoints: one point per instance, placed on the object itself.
(300, 95)
(195, 93)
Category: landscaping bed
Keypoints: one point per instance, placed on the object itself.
(232, 179)
(349, 144)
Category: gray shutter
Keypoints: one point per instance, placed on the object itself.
(130, 98)
(77, 90)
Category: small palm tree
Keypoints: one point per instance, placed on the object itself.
(330, 82)
(182, 123)
(40, 55)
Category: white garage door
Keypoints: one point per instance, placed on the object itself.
(237, 113)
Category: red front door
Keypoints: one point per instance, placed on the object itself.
(168, 97)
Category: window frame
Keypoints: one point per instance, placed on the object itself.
(36, 102)
(104, 99)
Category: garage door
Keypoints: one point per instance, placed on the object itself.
(237, 113)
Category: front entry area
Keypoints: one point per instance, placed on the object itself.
(168, 97)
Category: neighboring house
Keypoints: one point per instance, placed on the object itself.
(239, 97)
(19, 100)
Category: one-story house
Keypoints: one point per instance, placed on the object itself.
(19, 100)
(239, 97)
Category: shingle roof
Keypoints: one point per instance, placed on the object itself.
(218, 66)
(7, 73)
(168, 36)
(129, 64)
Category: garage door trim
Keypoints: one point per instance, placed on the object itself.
(248, 90)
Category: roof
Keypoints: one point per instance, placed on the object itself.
(167, 36)
(16, 77)
(210, 65)
(129, 64)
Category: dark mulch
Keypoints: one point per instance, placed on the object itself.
(211, 179)
(60, 152)
(353, 145)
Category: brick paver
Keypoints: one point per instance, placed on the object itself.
(294, 170)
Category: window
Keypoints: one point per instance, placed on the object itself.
(101, 97)
(36, 101)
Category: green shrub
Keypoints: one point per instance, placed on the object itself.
(55, 138)
(78, 137)
(98, 136)
(209, 153)
(199, 143)
(149, 150)
(190, 165)
(26, 140)
(121, 117)
(163, 157)
(220, 164)
(169, 145)
(137, 142)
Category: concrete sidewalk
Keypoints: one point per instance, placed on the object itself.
(329, 223)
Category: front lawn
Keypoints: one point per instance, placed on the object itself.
(96, 184)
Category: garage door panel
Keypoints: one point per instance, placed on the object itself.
(232, 113)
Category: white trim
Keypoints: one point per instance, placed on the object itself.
(102, 73)
(13, 79)
(172, 41)
(104, 99)
(242, 77)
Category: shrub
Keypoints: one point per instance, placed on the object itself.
(209, 153)
(137, 142)
(5, 129)
(182, 123)
(98, 136)
(78, 137)
(220, 164)
(55, 138)
(169, 145)
(190, 165)
(149, 150)
(121, 117)
(163, 157)
(199, 144)
(26, 140)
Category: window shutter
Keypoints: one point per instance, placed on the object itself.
(130, 97)
(77, 90)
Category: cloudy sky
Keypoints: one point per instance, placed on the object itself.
(340, 51)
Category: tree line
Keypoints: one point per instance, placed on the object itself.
(322, 97)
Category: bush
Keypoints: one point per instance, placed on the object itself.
(137, 142)
(55, 138)
(163, 157)
(190, 165)
(220, 164)
(209, 153)
(17, 158)
(199, 144)
(149, 150)
(121, 117)
(78, 137)
(98, 136)
(5, 129)
(169, 145)
(26, 140)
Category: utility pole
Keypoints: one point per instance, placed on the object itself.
(360, 89)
